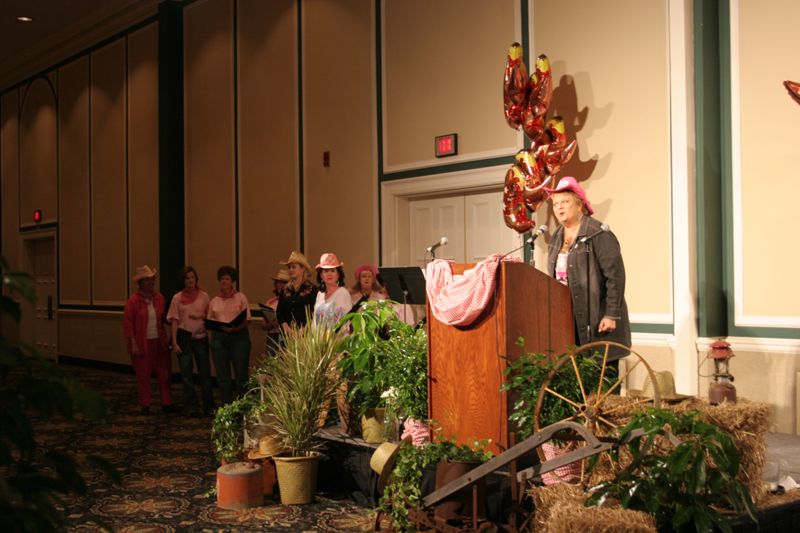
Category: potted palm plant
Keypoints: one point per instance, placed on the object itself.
(303, 381)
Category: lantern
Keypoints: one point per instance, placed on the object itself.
(721, 389)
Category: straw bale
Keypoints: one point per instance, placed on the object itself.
(560, 509)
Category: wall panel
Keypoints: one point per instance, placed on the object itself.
(37, 153)
(9, 172)
(768, 187)
(108, 154)
(73, 158)
(340, 200)
(267, 120)
(443, 70)
(143, 148)
(619, 111)
(208, 137)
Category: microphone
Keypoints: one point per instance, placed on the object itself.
(539, 231)
(603, 228)
(529, 241)
(437, 244)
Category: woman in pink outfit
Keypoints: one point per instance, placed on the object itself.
(143, 325)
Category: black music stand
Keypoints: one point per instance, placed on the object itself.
(404, 284)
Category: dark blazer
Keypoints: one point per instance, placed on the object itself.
(596, 276)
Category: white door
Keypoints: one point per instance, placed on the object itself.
(432, 219)
(41, 264)
(473, 225)
(485, 231)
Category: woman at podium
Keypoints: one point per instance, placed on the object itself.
(585, 255)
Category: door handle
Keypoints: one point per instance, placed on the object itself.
(49, 308)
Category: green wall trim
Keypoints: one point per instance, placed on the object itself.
(709, 159)
(171, 245)
(653, 328)
(453, 167)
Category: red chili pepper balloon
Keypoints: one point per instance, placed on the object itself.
(525, 103)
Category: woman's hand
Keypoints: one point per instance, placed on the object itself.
(607, 325)
(175, 348)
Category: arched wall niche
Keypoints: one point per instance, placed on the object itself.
(38, 152)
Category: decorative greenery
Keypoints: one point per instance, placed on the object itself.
(684, 487)
(525, 377)
(227, 430)
(303, 381)
(385, 362)
(33, 479)
(405, 369)
(404, 489)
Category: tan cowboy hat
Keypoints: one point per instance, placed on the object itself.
(666, 388)
(267, 447)
(383, 459)
(143, 272)
(329, 260)
(281, 275)
(299, 259)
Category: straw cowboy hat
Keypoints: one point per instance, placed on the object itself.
(299, 259)
(281, 275)
(329, 260)
(267, 447)
(143, 272)
(382, 461)
(666, 388)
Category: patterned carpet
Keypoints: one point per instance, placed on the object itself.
(168, 468)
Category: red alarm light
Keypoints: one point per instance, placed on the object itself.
(446, 145)
(37, 215)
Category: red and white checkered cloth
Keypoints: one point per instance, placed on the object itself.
(459, 300)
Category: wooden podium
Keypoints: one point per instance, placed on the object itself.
(466, 364)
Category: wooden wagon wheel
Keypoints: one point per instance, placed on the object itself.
(588, 403)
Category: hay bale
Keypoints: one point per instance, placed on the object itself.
(745, 422)
(561, 509)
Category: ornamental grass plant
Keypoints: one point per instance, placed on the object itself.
(302, 382)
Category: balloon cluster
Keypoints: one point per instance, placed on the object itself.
(525, 102)
(794, 89)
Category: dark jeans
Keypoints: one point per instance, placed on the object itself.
(231, 349)
(196, 352)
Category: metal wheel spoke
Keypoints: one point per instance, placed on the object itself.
(603, 371)
(578, 375)
(559, 396)
(621, 379)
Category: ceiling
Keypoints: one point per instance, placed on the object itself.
(60, 29)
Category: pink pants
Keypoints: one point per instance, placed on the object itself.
(153, 357)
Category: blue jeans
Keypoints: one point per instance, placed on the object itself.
(196, 349)
(231, 349)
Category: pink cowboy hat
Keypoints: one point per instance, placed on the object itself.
(329, 260)
(143, 272)
(568, 183)
(365, 268)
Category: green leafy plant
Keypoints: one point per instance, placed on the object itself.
(684, 486)
(405, 369)
(404, 490)
(302, 383)
(525, 377)
(34, 479)
(363, 354)
(227, 430)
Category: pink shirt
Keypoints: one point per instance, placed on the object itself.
(226, 309)
(182, 313)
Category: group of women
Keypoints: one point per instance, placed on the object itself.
(192, 313)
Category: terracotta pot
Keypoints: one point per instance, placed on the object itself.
(460, 502)
(297, 478)
(239, 486)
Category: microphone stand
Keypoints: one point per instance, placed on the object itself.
(587, 251)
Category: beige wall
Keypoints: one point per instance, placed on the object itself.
(617, 106)
(37, 152)
(340, 200)
(208, 138)
(74, 211)
(770, 121)
(443, 70)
